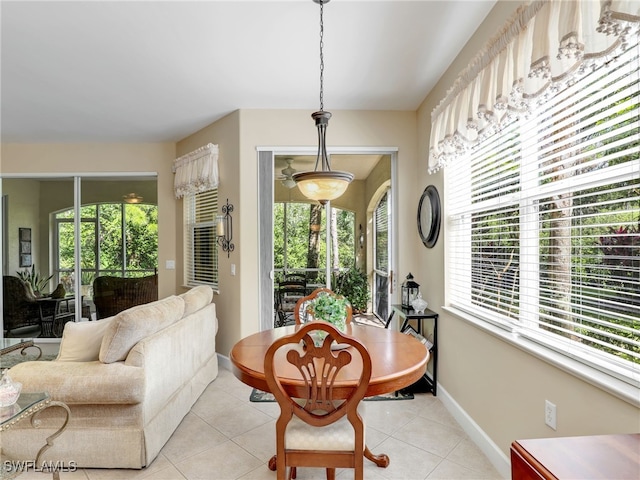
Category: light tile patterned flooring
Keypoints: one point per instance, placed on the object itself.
(225, 437)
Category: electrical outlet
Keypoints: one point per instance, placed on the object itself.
(550, 414)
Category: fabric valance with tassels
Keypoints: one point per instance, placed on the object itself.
(197, 171)
(546, 45)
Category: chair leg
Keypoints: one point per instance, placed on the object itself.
(331, 474)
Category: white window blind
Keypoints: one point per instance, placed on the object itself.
(381, 226)
(381, 269)
(201, 252)
(544, 223)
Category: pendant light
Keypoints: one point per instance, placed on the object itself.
(132, 198)
(325, 184)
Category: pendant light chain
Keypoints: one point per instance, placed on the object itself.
(322, 184)
(321, 56)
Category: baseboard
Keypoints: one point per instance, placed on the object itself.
(224, 362)
(495, 455)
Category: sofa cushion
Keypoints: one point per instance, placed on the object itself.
(88, 383)
(134, 324)
(196, 298)
(81, 341)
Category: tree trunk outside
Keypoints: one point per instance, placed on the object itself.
(313, 251)
(334, 239)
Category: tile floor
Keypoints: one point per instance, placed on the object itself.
(225, 437)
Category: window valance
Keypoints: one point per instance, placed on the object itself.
(545, 46)
(197, 171)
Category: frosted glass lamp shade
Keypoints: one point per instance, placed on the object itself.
(323, 186)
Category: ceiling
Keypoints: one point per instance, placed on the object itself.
(156, 71)
(360, 165)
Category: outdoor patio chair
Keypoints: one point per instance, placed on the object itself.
(286, 296)
(19, 306)
(112, 295)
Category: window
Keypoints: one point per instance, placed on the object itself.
(381, 271)
(300, 243)
(201, 252)
(544, 223)
(116, 239)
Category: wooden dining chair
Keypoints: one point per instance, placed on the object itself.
(315, 429)
(302, 315)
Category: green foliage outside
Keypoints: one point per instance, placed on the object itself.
(603, 244)
(105, 248)
(354, 285)
(291, 238)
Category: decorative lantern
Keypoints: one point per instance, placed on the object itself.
(410, 291)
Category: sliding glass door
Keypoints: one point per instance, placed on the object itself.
(293, 238)
(117, 220)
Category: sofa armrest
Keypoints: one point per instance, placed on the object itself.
(82, 382)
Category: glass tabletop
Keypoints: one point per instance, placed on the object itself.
(10, 342)
(24, 403)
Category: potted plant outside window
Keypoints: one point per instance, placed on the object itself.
(354, 285)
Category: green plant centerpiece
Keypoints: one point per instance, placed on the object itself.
(330, 308)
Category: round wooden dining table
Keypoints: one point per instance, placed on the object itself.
(397, 361)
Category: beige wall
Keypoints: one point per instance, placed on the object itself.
(226, 134)
(500, 386)
(43, 159)
(26, 195)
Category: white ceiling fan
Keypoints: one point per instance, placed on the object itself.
(287, 174)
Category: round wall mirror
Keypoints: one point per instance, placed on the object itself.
(429, 216)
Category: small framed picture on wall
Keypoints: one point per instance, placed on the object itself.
(25, 247)
(25, 234)
(25, 260)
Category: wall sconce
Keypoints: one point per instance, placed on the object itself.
(361, 237)
(224, 228)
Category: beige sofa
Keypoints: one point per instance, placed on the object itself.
(128, 380)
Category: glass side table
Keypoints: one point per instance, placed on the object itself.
(29, 405)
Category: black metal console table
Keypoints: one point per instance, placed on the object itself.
(410, 314)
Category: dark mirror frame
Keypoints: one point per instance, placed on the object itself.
(431, 200)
